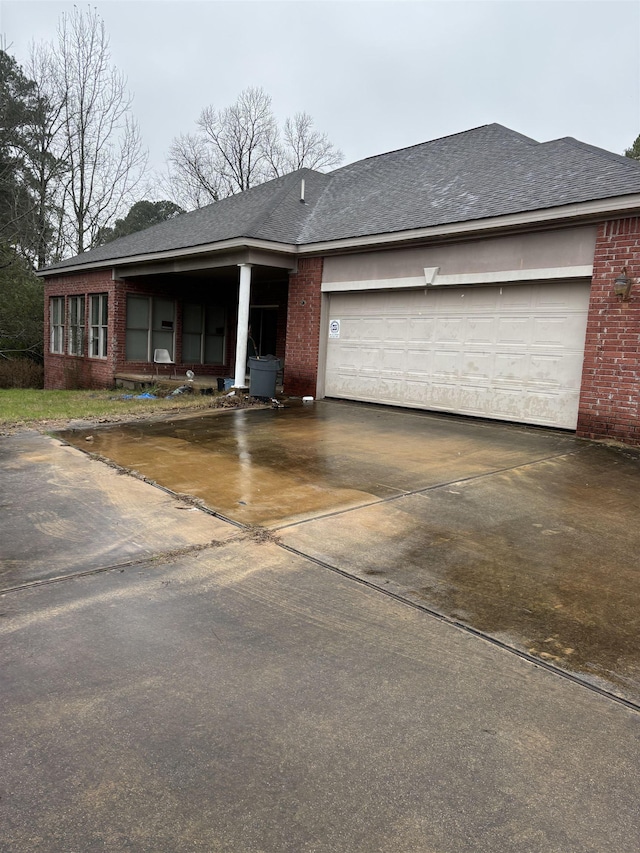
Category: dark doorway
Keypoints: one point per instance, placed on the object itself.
(263, 321)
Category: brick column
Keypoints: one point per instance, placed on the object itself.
(303, 329)
(610, 392)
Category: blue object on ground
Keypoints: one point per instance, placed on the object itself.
(146, 396)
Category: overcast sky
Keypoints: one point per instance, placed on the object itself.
(376, 76)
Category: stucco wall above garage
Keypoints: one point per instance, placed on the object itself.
(561, 248)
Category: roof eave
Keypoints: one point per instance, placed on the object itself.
(582, 211)
(191, 252)
(590, 211)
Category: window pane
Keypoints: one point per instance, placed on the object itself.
(213, 349)
(163, 314)
(215, 320)
(98, 330)
(162, 340)
(191, 348)
(137, 312)
(56, 309)
(137, 345)
(192, 319)
(76, 325)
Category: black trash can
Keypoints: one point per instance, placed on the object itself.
(262, 376)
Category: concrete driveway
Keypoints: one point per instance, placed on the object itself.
(307, 671)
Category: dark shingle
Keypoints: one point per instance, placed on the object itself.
(490, 171)
(270, 211)
(486, 172)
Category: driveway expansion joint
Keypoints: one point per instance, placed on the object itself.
(410, 492)
(468, 629)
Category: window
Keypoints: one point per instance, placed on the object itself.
(56, 316)
(137, 343)
(76, 325)
(150, 326)
(192, 317)
(203, 330)
(214, 335)
(163, 314)
(98, 330)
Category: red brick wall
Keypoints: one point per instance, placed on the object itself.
(610, 395)
(303, 329)
(72, 371)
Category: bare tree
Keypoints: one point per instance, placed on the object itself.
(306, 147)
(193, 179)
(241, 146)
(240, 137)
(47, 153)
(99, 138)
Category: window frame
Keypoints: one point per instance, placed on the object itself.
(77, 317)
(56, 329)
(157, 327)
(205, 332)
(98, 332)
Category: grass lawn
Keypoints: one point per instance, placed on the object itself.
(44, 409)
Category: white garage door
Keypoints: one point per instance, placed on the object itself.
(513, 352)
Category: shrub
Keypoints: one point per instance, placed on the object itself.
(21, 373)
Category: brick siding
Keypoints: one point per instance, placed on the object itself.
(610, 394)
(303, 329)
(72, 371)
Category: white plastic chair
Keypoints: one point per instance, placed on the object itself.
(161, 356)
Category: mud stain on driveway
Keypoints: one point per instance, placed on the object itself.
(530, 536)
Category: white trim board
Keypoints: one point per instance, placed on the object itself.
(432, 278)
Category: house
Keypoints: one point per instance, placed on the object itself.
(473, 274)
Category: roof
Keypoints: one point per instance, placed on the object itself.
(489, 171)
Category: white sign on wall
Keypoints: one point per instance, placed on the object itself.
(334, 329)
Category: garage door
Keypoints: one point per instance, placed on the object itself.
(512, 353)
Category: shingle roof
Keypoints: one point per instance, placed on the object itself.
(490, 171)
(486, 172)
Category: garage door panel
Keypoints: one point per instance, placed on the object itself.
(350, 357)
(559, 297)
(471, 399)
(419, 362)
(417, 393)
(351, 329)
(393, 359)
(477, 366)
(513, 330)
(369, 328)
(562, 369)
(511, 367)
(512, 353)
(420, 329)
(480, 330)
(449, 330)
(445, 364)
(558, 331)
(395, 329)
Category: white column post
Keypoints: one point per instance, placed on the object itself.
(244, 298)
